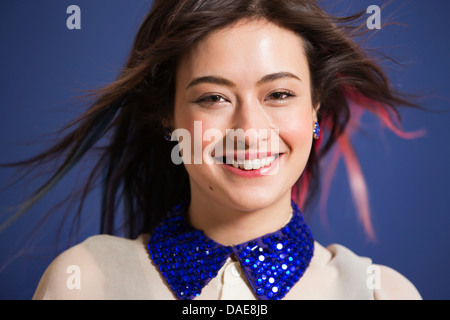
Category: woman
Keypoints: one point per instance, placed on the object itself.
(256, 93)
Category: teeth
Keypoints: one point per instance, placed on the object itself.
(263, 162)
(256, 164)
(248, 165)
(253, 164)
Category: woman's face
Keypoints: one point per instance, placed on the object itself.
(249, 82)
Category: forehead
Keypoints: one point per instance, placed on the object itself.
(245, 51)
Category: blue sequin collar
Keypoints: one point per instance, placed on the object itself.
(188, 259)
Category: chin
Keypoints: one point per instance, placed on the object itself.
(251, 200)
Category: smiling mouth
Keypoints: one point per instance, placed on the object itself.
(248, 165)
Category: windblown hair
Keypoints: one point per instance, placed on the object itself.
(135, 164)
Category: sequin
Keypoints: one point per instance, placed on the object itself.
(188, 259)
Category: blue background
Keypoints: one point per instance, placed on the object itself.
(45, 66)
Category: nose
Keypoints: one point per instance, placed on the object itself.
(252, 126)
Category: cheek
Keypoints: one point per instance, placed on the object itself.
(299, 142)
(296, 132)
(191, 119)
(206, 131)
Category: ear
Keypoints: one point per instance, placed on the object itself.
(316, 112)
(167, 122)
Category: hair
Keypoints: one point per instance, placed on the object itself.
(134, 164)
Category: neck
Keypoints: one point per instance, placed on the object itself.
(231, 226)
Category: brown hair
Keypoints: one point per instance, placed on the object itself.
(135, 163)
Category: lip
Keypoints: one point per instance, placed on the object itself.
(265, 171)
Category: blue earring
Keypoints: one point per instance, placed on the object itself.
(316, 131)
(167, 134)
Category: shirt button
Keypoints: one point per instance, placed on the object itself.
(235, 271)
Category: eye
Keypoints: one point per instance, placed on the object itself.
(280, 95)
(210, 99)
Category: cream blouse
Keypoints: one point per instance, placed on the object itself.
(108, 267)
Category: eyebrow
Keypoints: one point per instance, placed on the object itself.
(212, 80)
(276, 76)
(225, 82)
